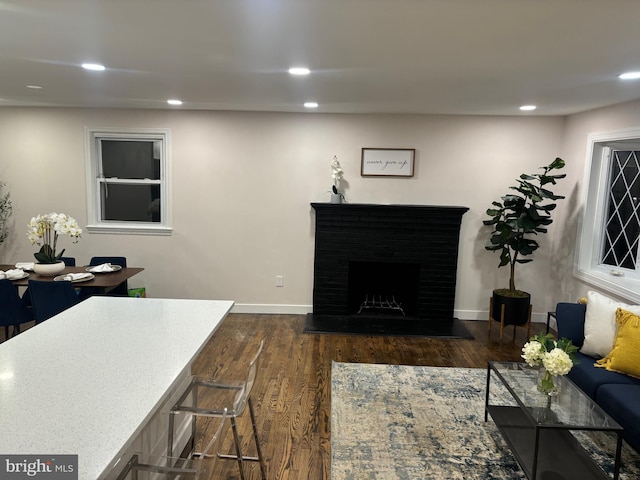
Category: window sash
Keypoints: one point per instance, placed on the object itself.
(130, 158)
(620, 230)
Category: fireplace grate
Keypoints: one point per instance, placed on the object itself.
(380, 303)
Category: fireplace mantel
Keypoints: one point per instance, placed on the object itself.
(390, 207)
(426, 236)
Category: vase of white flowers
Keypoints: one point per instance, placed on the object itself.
(336, 174)
(44, 230)
(553, 358)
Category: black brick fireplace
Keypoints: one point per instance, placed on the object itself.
(394, 261)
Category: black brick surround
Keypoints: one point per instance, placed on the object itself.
(424, 237)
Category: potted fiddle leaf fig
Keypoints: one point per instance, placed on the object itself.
(516, 220)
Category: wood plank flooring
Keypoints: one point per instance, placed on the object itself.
(293, 390)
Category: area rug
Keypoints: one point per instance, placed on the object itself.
(403, 422)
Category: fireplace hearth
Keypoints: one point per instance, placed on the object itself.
(385, 261)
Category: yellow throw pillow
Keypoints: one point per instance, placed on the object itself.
(624, 357)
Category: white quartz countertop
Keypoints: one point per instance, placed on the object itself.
(87, 380)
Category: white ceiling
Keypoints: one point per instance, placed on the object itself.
(366, 56)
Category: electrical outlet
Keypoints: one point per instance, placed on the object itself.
(279, 281)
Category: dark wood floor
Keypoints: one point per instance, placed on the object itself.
(292, 392)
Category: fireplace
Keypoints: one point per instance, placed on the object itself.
(392, 261)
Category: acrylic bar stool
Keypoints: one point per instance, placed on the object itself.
(210, 397)
(142, 466)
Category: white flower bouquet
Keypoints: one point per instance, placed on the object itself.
(556, 357)
(45, 229)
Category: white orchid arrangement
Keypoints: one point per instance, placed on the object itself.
(336, 174)
(45, 229)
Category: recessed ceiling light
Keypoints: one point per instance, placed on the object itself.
(629, 76)
(34, 87)
(174, 102)
(299, 71)
(528, 108)
(311, 104)
(96, 67)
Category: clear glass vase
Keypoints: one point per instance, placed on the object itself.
(548, 383)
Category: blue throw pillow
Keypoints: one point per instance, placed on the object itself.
(570, 321)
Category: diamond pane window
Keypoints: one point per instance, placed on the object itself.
(608, 245)
(622, 227)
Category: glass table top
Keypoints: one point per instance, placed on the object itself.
(570, 409)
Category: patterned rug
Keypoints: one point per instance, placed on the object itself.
(402, 422)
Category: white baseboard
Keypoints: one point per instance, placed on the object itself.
(273, 309)
(276, 309)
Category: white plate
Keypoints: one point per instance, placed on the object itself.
(24, 275)
(21, 266)
(61, 278)
(115, 268)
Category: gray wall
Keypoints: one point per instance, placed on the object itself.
(242, 184)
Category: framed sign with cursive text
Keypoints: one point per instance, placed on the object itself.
(387, 162)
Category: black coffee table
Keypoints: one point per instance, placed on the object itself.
(537, 428)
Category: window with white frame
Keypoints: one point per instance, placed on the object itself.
(128, 180)
(607, 255)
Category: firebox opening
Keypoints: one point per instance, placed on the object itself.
(383, 289)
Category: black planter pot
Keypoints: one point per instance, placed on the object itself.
(516, 311)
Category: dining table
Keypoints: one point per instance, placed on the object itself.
(103, 281)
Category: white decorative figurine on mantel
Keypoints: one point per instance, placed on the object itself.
(336, 174)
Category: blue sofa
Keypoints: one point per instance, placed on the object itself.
(618, 394)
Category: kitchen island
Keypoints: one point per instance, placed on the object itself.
(94, 380)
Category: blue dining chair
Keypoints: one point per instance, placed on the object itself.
(50, 298)
(13, 310)
(68, 261)
(122, 290)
